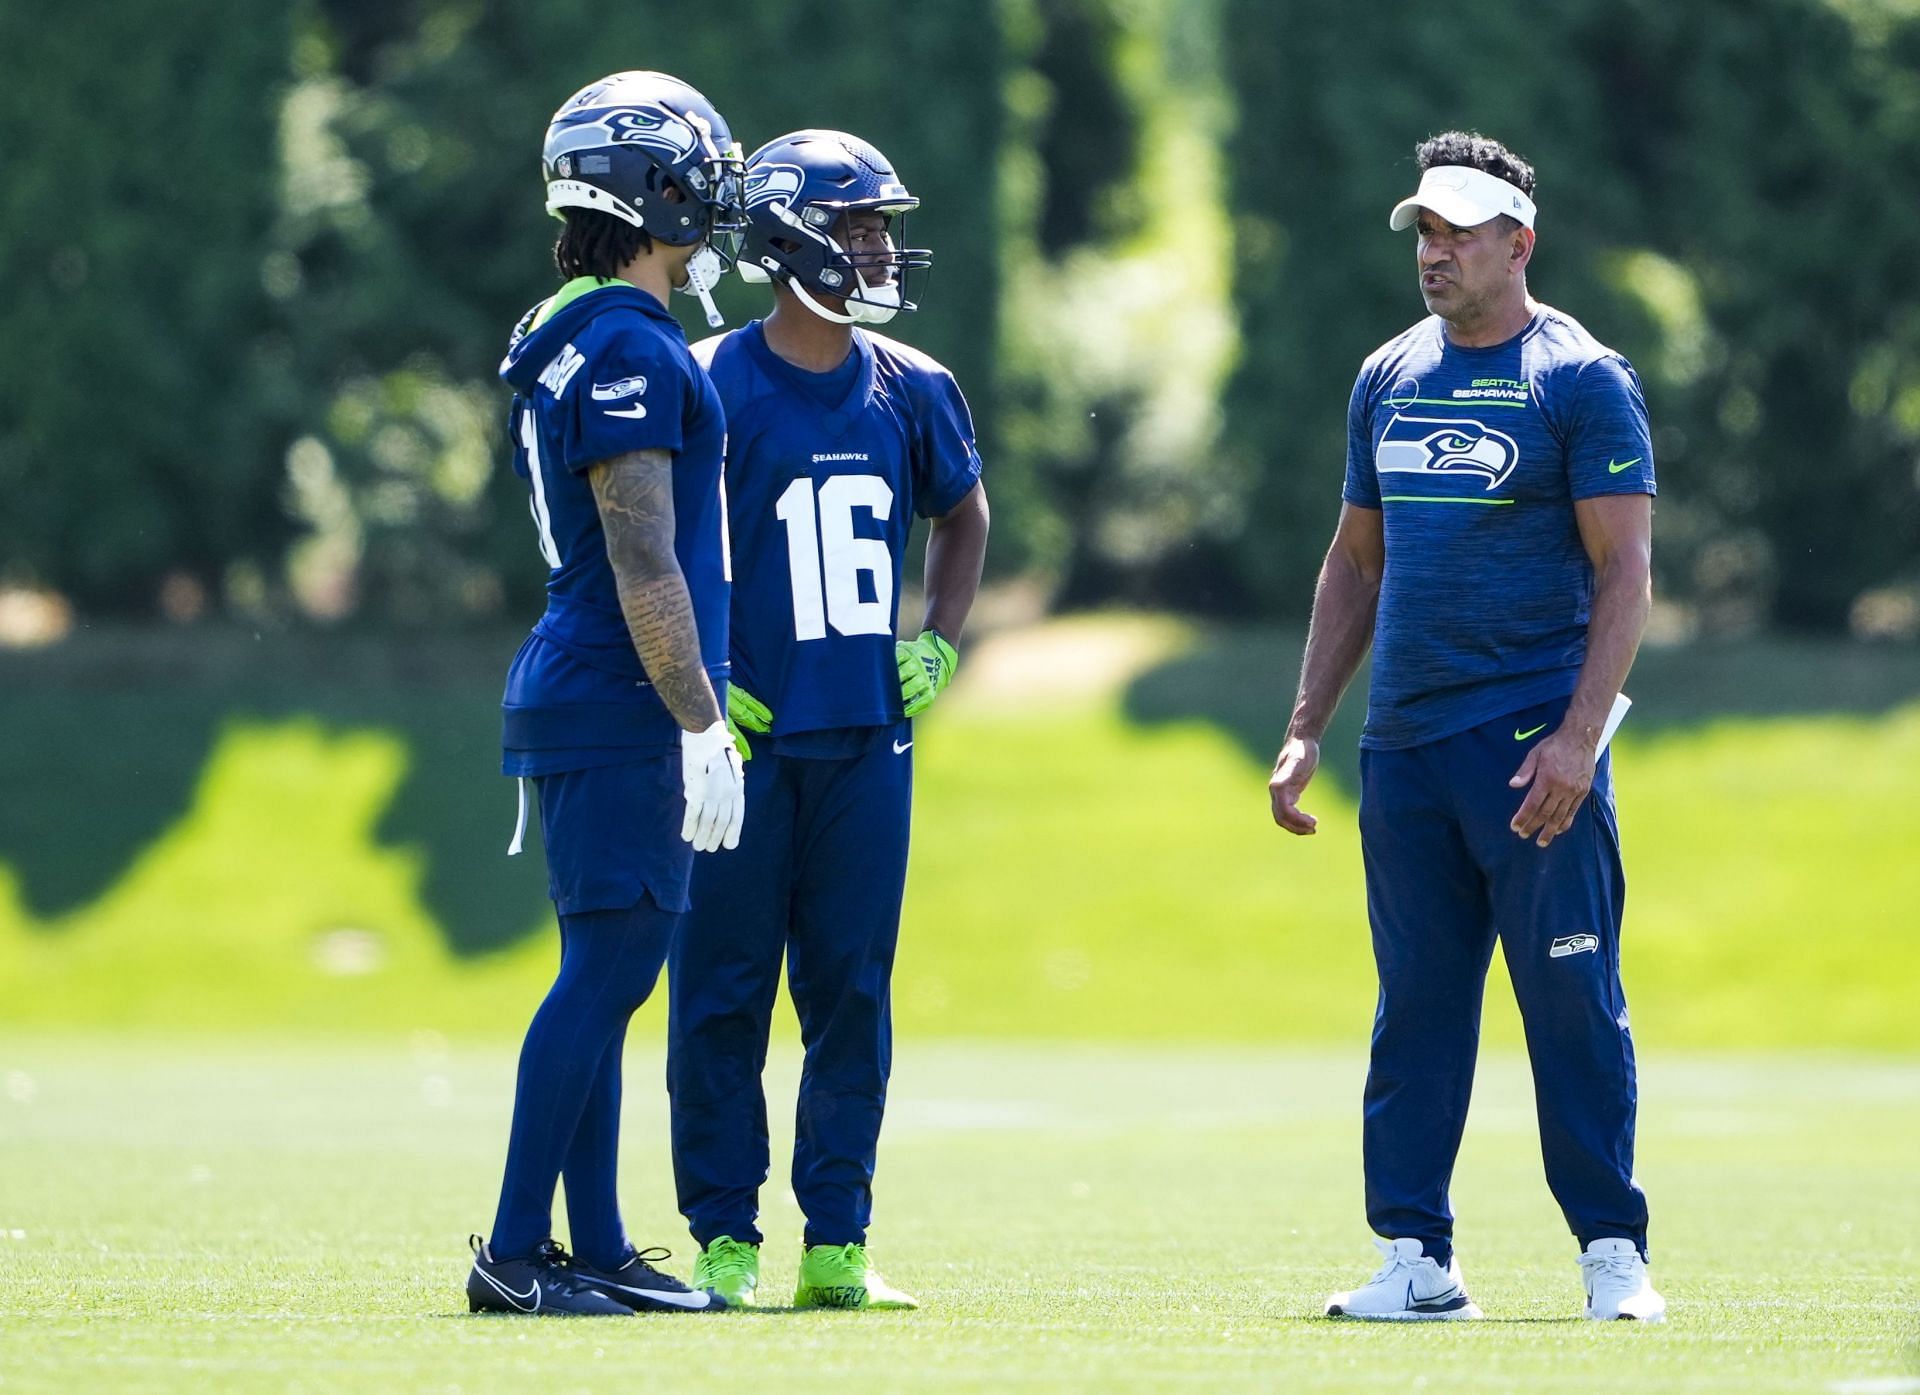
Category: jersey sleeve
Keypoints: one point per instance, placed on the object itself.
(630, 395)
(1363, 483)
(1609, 448)
(946, 466)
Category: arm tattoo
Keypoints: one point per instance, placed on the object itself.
(635, 496)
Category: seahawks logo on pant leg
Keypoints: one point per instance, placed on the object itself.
(1446, 445)
(1568, 945)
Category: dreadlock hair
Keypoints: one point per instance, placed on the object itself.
(595, 243)
(1478, 152)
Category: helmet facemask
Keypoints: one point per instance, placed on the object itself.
(818, 260)
(715, 183)
(878, 264)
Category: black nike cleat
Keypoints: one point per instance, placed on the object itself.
(529, 1286)
(636, 1283)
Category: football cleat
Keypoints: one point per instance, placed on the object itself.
(635, 1283)
(1410, 1287)
(532, 1286)
(841, 1276)
(1617, 1286)
(729, 1268)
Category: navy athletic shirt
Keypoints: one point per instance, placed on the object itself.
(825, 472)
(603, 370)
(1475, 457)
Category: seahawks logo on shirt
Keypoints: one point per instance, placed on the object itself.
(619, 388)
(1446, 445)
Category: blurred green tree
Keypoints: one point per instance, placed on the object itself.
(144, 384)
(258, 282)
(1117, 331)
(1726, 194)
(409, 287)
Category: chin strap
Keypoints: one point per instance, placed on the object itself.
(704, 270)
(793, 284)
(859, 312)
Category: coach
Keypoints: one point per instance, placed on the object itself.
(1493, 548)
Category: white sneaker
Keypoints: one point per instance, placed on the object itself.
(1617, 1285)
(1409, 1288)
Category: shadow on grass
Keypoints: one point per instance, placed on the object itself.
(104, 739)
(1242, 679)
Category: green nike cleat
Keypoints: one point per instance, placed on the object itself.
(841, 1276)
(730, 1268)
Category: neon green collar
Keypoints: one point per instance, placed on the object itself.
(569, 293)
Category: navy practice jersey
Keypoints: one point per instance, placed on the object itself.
(607, 372)
(825, 472)
(1476, 457)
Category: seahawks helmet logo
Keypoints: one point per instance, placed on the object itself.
(654, 127)
(1446, 445)
(765, 183)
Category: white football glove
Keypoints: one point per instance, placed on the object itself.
(716, 792)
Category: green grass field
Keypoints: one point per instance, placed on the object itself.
(263, 966)
(313, 838)
(259, 1215)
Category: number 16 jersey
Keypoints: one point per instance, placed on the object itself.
(825, 473)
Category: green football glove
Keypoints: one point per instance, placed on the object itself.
(926, 667)
(745, 711)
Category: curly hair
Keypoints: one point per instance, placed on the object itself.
(595, 243)
(1481, 152)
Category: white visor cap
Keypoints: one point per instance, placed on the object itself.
(1465, 197)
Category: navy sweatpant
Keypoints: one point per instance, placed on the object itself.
(1446, 876)
(818, 877)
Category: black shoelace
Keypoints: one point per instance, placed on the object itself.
(553, 1252)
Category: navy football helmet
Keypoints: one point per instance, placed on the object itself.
(620, 144)
(799, 190)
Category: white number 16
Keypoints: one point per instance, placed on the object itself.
(825, 559)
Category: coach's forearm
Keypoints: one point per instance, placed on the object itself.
(635, 496)
(1338, 638)
(1622, 600)
(956, 552)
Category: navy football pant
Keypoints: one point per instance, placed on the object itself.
(1446, 876)
(566, 1104)
(614, 855)
(818, 876)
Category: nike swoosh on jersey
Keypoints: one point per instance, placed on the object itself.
(1523, 735)
(1614, 469)
(900, 749)
(636, 411)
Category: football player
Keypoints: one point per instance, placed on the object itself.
(614, 704)
(837, 438)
